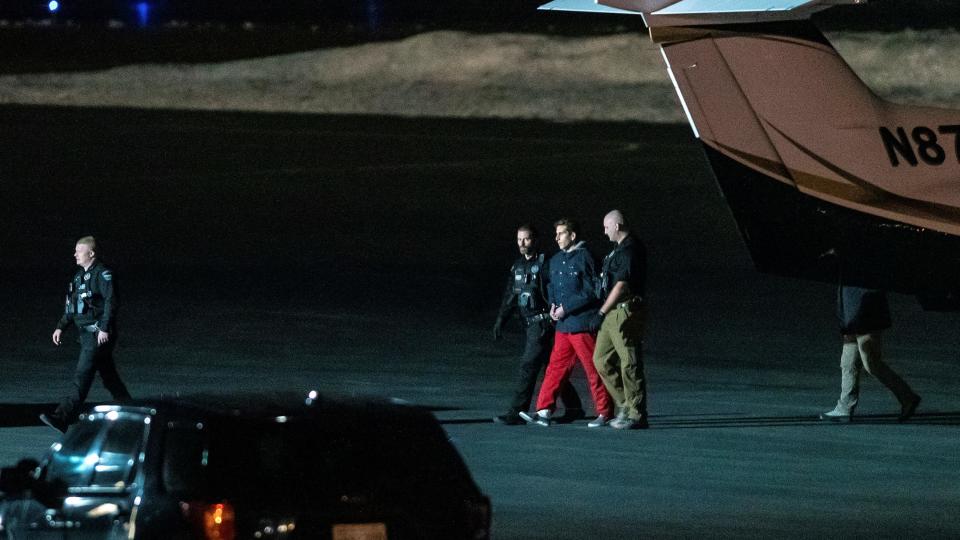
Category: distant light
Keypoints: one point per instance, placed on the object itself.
(374, 13)
(143, 13)
(53, 6)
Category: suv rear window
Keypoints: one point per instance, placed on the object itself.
(100, 452)
(325, 455)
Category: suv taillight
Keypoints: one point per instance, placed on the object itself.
(213, 521)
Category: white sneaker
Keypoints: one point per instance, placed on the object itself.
(621, 418)
(599, 421)
(837, 415)
(540, 419)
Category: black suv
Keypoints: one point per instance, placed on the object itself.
(247, 467)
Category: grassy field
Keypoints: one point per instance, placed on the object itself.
(460, 74)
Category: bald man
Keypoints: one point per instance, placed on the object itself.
(619, 350)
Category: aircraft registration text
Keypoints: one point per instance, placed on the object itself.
(922, 142)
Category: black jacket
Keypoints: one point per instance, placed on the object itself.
(91, 299)
(573, 278)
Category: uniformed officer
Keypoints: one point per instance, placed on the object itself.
(525, 293)
(618, 355)
(91, 306)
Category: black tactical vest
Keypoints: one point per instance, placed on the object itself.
(528, 285)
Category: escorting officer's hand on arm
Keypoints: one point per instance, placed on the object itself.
(56, 336)
(102, 337)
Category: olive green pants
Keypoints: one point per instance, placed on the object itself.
(618, 357)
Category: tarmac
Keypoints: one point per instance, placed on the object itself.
(366, 255)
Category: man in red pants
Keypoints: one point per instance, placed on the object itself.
(574, 306)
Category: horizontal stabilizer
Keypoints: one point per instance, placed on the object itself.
(584, 6)
(661, 13)
(700, 7)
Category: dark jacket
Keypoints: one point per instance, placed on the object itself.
(862, 311)
(572, 285)
(91, 299)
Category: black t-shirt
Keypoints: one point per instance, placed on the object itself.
(627, 262)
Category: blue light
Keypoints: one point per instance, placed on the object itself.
(373, 11)
(143, 13)
(53, 6)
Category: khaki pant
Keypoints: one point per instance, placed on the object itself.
(619, 359)
(866, 350)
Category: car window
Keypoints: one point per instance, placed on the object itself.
(101, 451)
(68, 460)
(325, 455)
(120, 452)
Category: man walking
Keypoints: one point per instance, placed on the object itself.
(573, 305)
(864, 314)
(618, 355)
(91, 306)
(525, 294)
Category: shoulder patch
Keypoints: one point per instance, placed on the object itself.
(106, 275)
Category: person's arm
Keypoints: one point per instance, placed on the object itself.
(508, 303)
(618, 289)
(108, 292)
(65, 319)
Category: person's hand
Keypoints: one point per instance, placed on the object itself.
(559, 313)
(596, 321)
(498, 329)
(56, 336)
(102, 337)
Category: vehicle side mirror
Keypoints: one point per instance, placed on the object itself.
(20, 477)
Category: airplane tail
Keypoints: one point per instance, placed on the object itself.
(823, 177)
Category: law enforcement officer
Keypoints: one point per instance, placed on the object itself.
(91, 306)
(619, 352)
(525, 294)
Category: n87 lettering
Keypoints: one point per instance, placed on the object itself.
(922, 142)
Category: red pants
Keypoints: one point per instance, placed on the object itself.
(567, 348)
